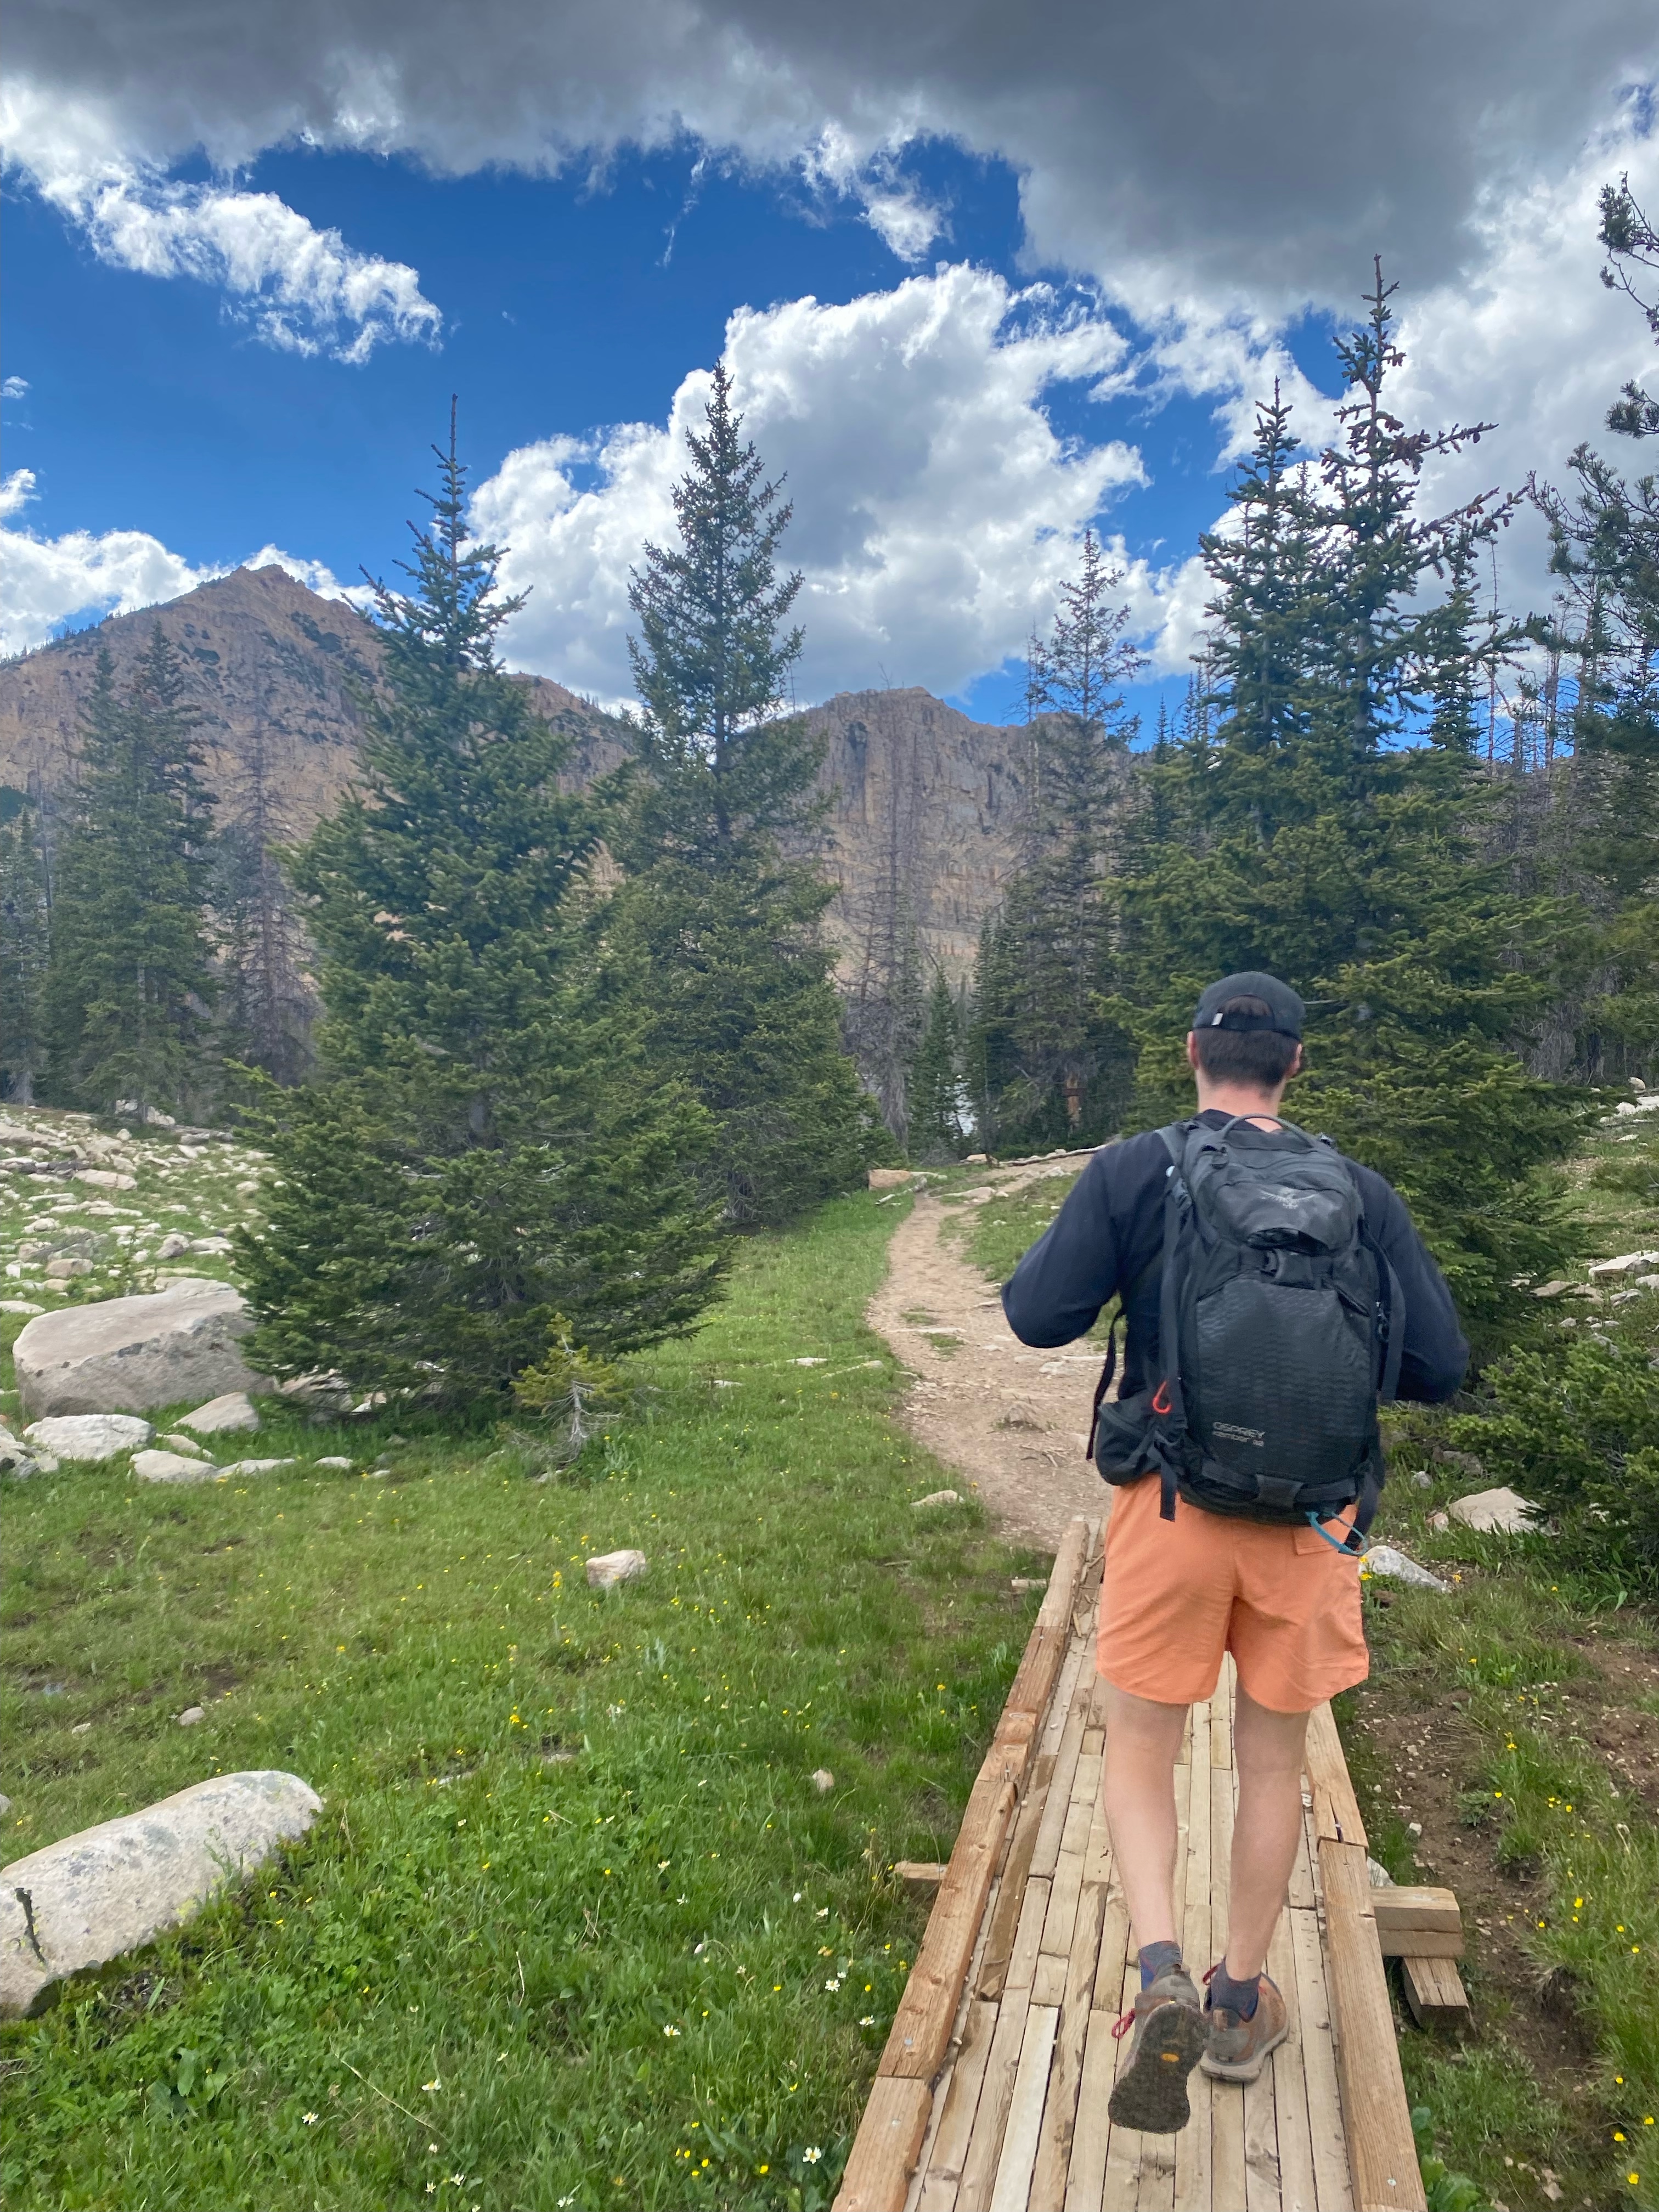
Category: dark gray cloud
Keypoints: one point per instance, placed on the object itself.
(1250, 157)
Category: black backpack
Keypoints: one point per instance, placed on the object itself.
(1280, 1327)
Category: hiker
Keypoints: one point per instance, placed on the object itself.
(1272, 1292)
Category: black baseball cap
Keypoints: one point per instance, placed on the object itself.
(1284, 1009)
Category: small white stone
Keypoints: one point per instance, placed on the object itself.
(89, 1438)
(935, 1497)
(609, 1568)
(106, 1179)
(1495, 1512)
(188, 1445)
(336, 1462)
(171, 1245)
(25, 1306)
(254, 1467)
(190, 1715)
(247, 1189)
(82, 1728)
(172, 1467)
(5, 1804)
(1440, 1522)
(233, 1410)
(1384, 1560)
(822, 1780)
(1378, 1874)
(1626, 1264)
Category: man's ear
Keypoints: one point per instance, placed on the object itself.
(1192, 1052)
(1296, 1065)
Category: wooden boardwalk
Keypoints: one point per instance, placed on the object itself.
(991, 2091)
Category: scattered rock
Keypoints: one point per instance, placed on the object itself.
(1626, 1264)
(822, 1781)
(133, 1353)
(890, 1178)
(82, 1728)
(809, 1361)
(609, 1568)
(109, 1889)
(246, 1189)
(106, 1179)
(1019, 1415)
(188, 1445)
(1378, 1874)
(1384, 1560)
(233, 1410)
(1552, 1290)
(1440, 1522)
(323, 1390)
(1021, 1584)
(976, 1160)
(171, 1245)
(5, 1805)
(1422, 1479)
(935, 1497)
(337, 1462)
(1464, 1462)
(212, 1248)
(90, 1437)
(256, 1465)
(64, 1269)
(20, 1306)
(1495, 1512)
(190, 1715)
(172, 1467)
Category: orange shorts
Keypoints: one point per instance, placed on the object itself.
(1177, 1594)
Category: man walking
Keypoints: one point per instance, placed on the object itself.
(1272, 1290)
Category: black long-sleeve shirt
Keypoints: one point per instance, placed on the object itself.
(1104, 1241)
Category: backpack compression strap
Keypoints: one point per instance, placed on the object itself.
(1167, 1401)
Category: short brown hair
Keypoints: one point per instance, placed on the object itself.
(1261, 1058)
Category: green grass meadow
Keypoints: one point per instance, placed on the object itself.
(575, 1927)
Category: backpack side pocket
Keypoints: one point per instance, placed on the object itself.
(1122, 1431)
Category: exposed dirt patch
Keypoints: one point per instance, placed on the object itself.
(1013, 1420)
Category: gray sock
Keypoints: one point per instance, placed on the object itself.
(1156, 1959)
(1242, 1997)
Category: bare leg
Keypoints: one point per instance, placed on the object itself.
(1267, 1752)
(1137, 1790)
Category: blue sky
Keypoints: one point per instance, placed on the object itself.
(987, 369)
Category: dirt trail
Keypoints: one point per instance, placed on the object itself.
(1012, 1421)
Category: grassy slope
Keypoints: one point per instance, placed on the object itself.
(498, 1974)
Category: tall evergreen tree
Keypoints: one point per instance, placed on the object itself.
(727, 924)
(935, 1088)
(486, 1163)
(1327, 827)
(130, 982)
(1055, 1068)
(1606, 549)
(23, 946)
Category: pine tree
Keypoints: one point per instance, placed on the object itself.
(130, 980)
(935, 1087)
(23, 943)
(1606, 549)
(1056, 1069)
(1327, 828)
(266, 1004)
(727, 925)
(485, 1165)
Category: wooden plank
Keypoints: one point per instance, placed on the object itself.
(1300, 1896)
(1097, 1853)
(1098, 1702)
(1047, 1851)
(1382, 2154)
(1261, 2176)
(1298, 2190)
(1434, 1990)
(1183, 1785)
(1048, 1981)
(1055, 1611)
(1068, 1878)
(1011, 1895)
(979, 2168)
(1332, 2188)
(1019, 2139)
(938, 2094)
(949, 2144)
(1336, 1809)
(926, 2012)
(1085, 2174)
(878, 2175)
(921, 1877)
(1049, 2176)
(1028, 1937)
(1228, 2181)
(1421, 1924)
(1192, 2174)
(1155, 2188)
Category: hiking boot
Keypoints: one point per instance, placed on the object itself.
(1238, 2049)
(1170, 2034)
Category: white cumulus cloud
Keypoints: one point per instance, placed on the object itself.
(82, 575)
(936, 506)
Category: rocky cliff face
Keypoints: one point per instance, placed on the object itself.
(918, 837)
